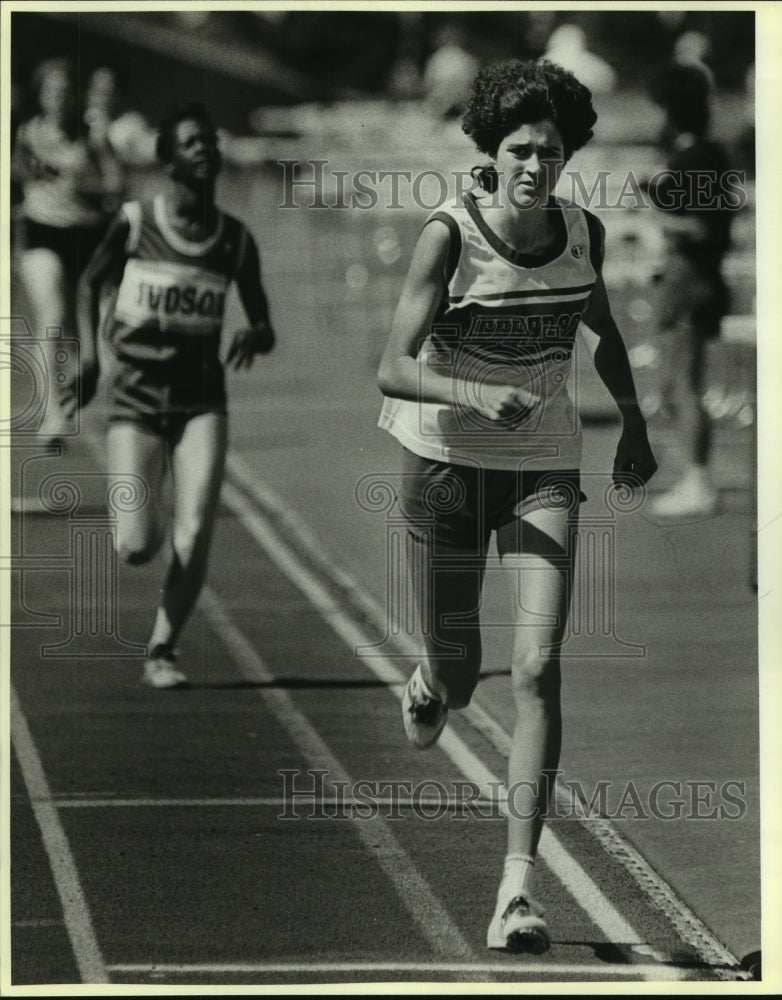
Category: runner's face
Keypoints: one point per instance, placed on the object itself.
(196, 155)
(529, 162)
(56, 94)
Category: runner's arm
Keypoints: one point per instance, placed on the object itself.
(259, 337)
(401, 375)
(634, 453)
(109, 257)
(106, 262)
(25, 165)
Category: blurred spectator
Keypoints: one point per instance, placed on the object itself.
(404, 79)
(449, 72)
(692, 48)
(693, 297)
(746, 141)
(16, 120)
(567, 48)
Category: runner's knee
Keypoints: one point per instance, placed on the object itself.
(535, 673)
(191, 543)
(137, 549)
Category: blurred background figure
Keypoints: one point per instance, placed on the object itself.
(124, 134)
(746, 142)
(449, 72)
(100, 104)
(69, 187)
(692, 296)
(567, 48)
(692, 48)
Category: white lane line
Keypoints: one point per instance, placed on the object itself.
(41, 922)
(296, 808)
(656, 890)
(599, 909)
(518, 968)
(76, 912)
(414, 892)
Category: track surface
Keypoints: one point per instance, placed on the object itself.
(169, 837)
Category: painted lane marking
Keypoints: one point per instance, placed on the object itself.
(278, 801)
(517, 967)
(76, 912)
(588, 895)
(656, 890)
(432, 919)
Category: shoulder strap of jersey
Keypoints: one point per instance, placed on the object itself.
(597, 233)
(455, 245)
(134, 213)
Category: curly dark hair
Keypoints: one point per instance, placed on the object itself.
(511, 93)
(194, 111)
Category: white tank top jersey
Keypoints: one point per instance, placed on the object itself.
(508, 318)
(72, 196)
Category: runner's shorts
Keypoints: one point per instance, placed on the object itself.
(74, 245)
(691, 298)
(460, 506)
(164, 396)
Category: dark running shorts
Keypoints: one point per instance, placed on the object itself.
(461, 505)
(74, 245)
(164, 397)
(693, 299)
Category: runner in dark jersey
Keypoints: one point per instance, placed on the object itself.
(695, 218)
(171, 262)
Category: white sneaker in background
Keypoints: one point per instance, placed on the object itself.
(693, 496)
(160, 669)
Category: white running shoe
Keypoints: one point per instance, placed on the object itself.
(424, 715)
(693, 496)
(519, 927)
(160, 671)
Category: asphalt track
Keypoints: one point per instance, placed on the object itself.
(214, 836)
(178, 830)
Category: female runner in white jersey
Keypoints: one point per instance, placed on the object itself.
(475, 375)
(68, 181)
(171, 262)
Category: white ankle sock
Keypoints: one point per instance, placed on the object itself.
(516, 878)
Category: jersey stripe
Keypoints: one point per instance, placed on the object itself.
(542, 294)
(506, 318)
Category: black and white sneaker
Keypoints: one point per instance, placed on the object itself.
(424, 715)
(519, 927)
